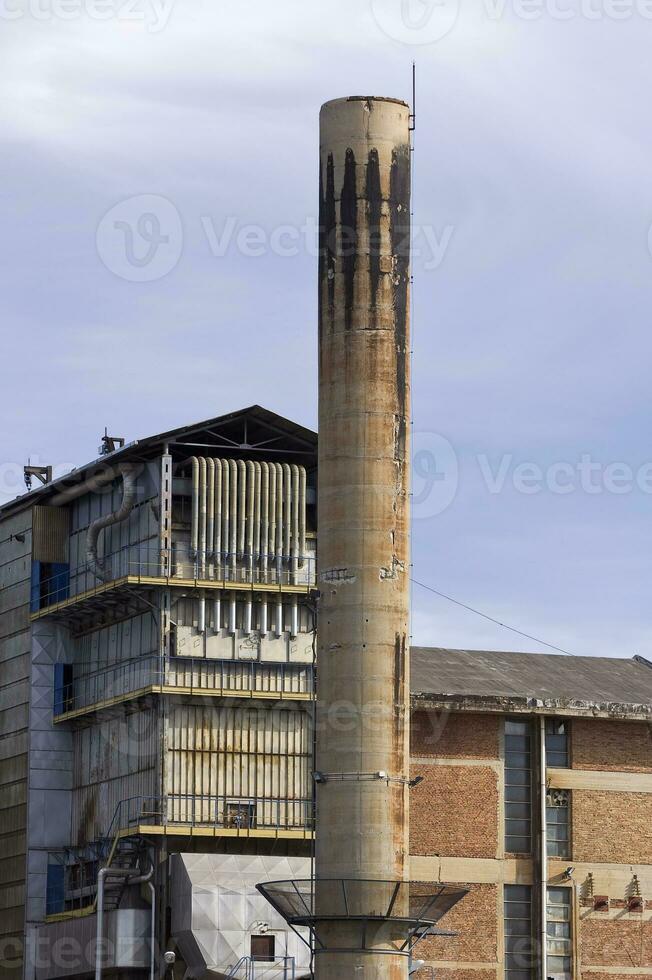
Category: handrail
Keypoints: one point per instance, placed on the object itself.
(289, 963)
(233, 676)
(168, 566)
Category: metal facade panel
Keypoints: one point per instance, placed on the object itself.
(51, 532)
(15, 647)
(218, 753)
(216, 908)
(114, 760)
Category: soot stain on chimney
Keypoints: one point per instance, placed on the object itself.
(327, 239)
(400, 240)
(374, 212)
(349, 233)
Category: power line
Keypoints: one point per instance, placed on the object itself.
(491, 619)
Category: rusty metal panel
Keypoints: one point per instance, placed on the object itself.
(114, 760)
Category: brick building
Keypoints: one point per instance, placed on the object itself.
(498, 737)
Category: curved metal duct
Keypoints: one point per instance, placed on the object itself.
(129, 473)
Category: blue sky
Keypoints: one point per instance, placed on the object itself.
(531, 308)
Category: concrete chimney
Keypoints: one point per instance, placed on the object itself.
(364, 427)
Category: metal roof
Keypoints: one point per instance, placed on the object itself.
(495, 681)
(255, 421)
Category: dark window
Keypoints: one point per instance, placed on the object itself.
(520, 952)
(240, 814)
(63, 688)
(518, 786)
(263, 949)
(557, 754)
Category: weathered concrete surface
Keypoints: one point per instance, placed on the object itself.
(364, 399)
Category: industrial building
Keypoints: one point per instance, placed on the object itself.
(212, 728)
(159, 709)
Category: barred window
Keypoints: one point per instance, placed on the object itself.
(520, 952)
(559, 943)
(518, 786)
(558, 823)
(557, 743)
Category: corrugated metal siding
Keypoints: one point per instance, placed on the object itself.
(15, 646)
(250, 752)
(50, 532)
(113, 761)
(133, 544)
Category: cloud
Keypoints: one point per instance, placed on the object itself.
(531, 337)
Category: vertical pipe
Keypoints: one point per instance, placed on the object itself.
(272, 512)
(543, 852)
(257, 485)
(242, 507)
(279, 522)
(279, 617)
(302, 515)
(226, 512)
(201, 571)
(194, 516)
(294, 549)
(217, 542)
(233, 519)
(217, 518)
(249, 552)
(210, 509)
(295, 617)
(233, 613)
(363, 477)
(264, 540)
(287, 516)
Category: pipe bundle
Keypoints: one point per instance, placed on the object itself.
(248, 515)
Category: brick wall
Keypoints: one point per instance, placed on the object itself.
(615, 943)
(429, 973)
(445, 735)
(611, 745)
(612, 827)
(454, 811)
(475, 918)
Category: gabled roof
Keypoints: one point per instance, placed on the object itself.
(253, 431)
(482, 680)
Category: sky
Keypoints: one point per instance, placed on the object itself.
(158, 203)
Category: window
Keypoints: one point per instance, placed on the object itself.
(559, 944)
(240, 814)
(263, 949)
(557, 743)
(518, 786)
(558, 823)
(520, 953)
